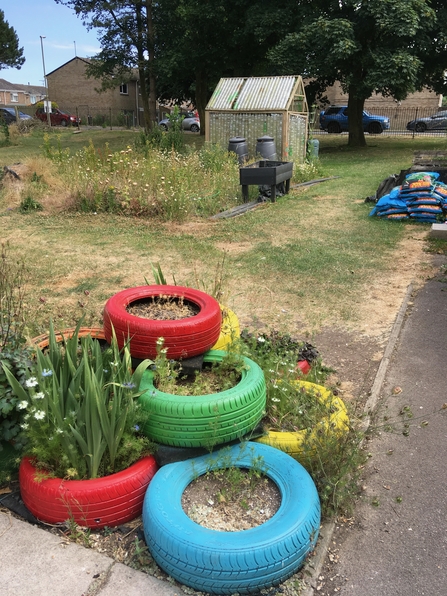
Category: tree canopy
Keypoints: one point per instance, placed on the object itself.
(182, 48)
(11, 55)
(393, 47)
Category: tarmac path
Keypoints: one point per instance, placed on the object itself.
(396, 544)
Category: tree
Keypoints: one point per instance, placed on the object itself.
(127, 37)
(198, 42)
(10, 53)
(393, 47)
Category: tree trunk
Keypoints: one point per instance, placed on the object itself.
(201, 97)
(151, 60)
(141, 45)
(355, 114)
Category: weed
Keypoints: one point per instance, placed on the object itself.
(14, 356)
(236, 481)
(5, 130)
(140, 557)
(212, 378)
(29, 204)
(77, 533)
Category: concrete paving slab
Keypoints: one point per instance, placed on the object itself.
(124, 580)
(34, 562)
(438, 231)
(38, 563)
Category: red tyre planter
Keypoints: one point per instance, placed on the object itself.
(43, 341)
(183, 338)
(109, 501)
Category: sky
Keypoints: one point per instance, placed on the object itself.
(65, 38)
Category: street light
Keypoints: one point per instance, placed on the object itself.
(48, 104)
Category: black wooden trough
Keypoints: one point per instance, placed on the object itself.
(266, 173)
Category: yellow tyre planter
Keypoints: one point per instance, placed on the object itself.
(229, 331)
(304, 444)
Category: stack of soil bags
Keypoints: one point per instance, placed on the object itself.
(421, 197)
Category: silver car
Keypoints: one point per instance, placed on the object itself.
(190, 122)
(436, 122)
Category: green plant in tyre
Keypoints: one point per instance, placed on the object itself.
(81, 416)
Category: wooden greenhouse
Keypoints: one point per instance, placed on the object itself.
(259, 106)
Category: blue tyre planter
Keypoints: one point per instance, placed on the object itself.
(228, 562)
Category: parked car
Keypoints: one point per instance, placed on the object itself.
(190, 122)
(9, 115)
(58, 117)
(436, 122)
(335, 120)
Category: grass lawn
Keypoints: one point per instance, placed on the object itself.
(314, 258)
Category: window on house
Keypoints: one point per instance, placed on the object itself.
(14, 97)
(33, 99)
(123, 89)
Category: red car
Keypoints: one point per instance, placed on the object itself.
(58, 118)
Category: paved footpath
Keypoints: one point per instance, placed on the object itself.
(396, 544)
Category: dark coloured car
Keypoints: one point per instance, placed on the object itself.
(9, 115)
(436, 122)
(58, 117)
(190, 122)
(335, 120)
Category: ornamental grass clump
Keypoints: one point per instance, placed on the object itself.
(81, 417)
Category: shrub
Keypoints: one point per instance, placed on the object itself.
(13, 355)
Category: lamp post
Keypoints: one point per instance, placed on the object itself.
(42, 37)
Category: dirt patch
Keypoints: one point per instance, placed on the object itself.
(216, 503)
(163, 308)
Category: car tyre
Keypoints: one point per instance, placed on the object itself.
(204, 420)
(183, 338)
(333, 128)
(164, 127)
(108, 501)
(239, 562)
(194, 128)
(420, 127)
(375, 128)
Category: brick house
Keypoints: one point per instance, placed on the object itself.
(71, 89)
(12, 94)
(425, 99)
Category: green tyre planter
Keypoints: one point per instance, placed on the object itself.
(304, 444)
(204, 420)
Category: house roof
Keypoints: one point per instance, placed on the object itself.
(7, 86)
(135, 76)
(33, 89)
(255, 93)
(86, 60)
(16, 87)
